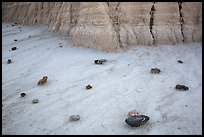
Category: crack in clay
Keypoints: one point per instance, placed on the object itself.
(181, 18)
(151, 22)
(73, 17)
(115, 22)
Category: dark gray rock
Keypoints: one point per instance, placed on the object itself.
(9, 61)
(23, 94)
(179, 61)
(181, 87)
(88, 87)
(155, 70)
(13, 48)
(74, 117)
(35, 101)
(137, 120)
(101, 61)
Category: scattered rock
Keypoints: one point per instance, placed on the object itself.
(101, 61)
(29, 36)
(179, 61)
(15, 23)
(13, 48)
(19, 27)
(74, 117)
(155, 70)
(43, 80)
(60, 46)
(9, 61)
(181, 87)
(136, 121)
(23, 94)
(15, 40)
(133, 113)
(20, 30)
(35, 101)
(88, 87)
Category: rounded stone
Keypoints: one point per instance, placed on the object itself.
(23, 94)
(13, 48)
(74, 117)
(136, 121)
(179, 61)
(181, 87)
(9, 61)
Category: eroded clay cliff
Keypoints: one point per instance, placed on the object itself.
(113, 25)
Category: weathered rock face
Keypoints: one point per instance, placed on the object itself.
(113, 25)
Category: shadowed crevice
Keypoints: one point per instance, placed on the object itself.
(181, 18)
(151, 22)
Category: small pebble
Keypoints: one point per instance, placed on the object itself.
(181, 87)
(101, 61)
(133, 113)
(29, 36)
(9, 61)
(179, 61)
(15, 40)
(88, 87)
(155, 70)
(74, 117)
(23, 94)
(35, 101)
(13, 48)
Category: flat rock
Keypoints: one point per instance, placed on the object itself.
(136, 121)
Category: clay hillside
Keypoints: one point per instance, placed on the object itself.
(113, 25)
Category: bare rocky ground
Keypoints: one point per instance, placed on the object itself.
(119, 85)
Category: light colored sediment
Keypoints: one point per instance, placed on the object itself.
(113, 25)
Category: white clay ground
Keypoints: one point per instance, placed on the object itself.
(122, 84)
